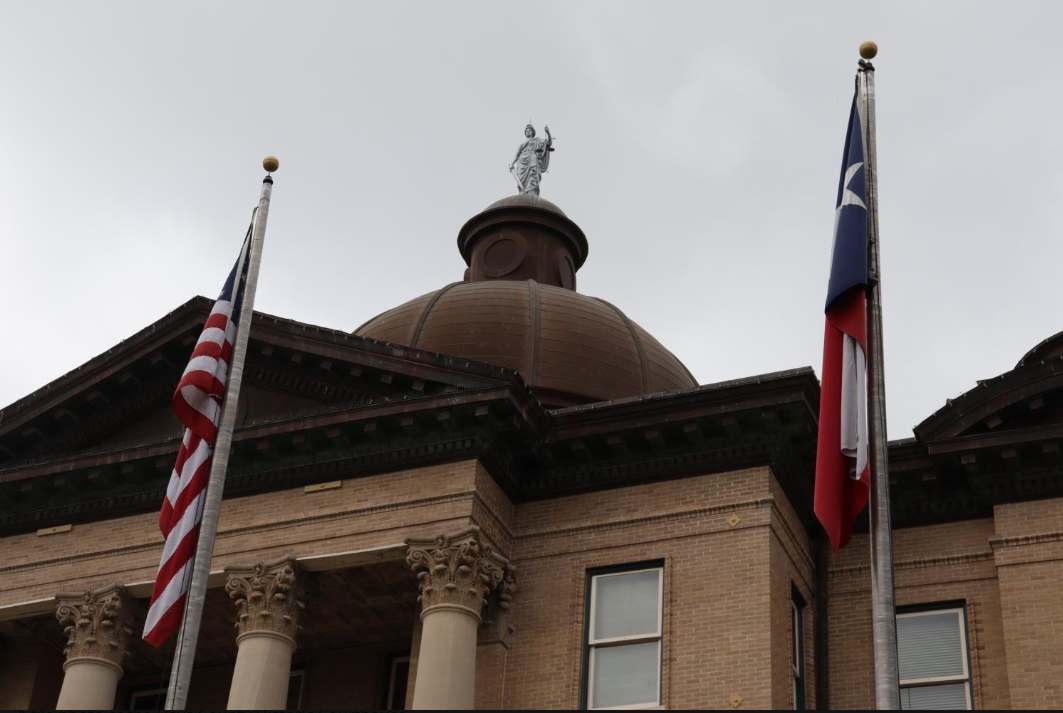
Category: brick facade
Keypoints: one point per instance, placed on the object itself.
(733, 550)
(1028, 554)
(1006, 571)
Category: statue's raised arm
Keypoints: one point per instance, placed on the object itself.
(532, 160)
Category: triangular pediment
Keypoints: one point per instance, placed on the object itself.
(1029, 397)
(122, 397)
(256, 404)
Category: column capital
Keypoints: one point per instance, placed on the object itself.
(455, 570)
(269, 596)
(97, 623)
(497, 625)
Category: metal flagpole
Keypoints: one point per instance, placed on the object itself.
(883, 612)
(177, 694)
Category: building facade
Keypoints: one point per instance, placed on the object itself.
(506, 494)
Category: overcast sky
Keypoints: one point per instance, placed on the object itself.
(698, 146)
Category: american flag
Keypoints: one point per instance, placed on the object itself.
(197, 403)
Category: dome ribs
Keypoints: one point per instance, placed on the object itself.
(535, 342)
(415, 333)
(646, 381)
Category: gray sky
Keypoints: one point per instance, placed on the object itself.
(698, 146)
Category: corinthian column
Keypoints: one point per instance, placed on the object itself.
(97, 625)
(269, 599)
(456, 572)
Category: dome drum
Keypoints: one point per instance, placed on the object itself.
(523, 238)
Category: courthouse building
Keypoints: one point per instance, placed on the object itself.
(506, 494)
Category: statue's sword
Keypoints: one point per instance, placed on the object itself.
(520, 186)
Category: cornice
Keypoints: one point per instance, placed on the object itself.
(224, 533)
(916, 563)
(1021, 540)
(610, 525)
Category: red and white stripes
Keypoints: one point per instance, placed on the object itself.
(197, 403)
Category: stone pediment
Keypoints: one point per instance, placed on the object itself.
(122, 398)
(998, 442)
(1030, 396)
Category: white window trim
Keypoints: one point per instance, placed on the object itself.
(965, 678)
(391, 679)
(657, 636)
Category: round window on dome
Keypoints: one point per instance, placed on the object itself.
(503, 255)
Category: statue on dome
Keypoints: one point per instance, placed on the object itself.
(532, 160)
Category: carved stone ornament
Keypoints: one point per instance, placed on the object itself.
(496, 625)
(455, 570)
(268, 596)
(97, 623)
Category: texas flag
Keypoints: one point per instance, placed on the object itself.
(842, 474)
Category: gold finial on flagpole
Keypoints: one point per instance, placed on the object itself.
(271, 163)
(868, 50)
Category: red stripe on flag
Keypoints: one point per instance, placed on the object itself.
(167, 624)
(184, 552)
(218, 320)
(839, 498)
(195, 486)
(195, 421)
(206, 349)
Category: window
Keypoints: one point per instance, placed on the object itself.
(147, 699)
(797, 649)
(295, 690)
(623, 652)
(932, 648)
(398, 679)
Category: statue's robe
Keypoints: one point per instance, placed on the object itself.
(533, 158)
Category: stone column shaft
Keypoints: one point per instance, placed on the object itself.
(446, 663)
(269, 600)
(97, 624)
(456, 572)
(88, 684)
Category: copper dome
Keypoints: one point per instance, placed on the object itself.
(568, 347)
(518, 308)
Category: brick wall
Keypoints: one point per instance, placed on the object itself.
(791, 567)
(935, 564)
(1028, 553)
(31, 674)
(366, 512)
(732, 546)
(346, 678)
(718, 594)
(491, 667)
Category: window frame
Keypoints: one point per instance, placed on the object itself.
(959, 608)
(143, 692)
(590, 644)
(393, 666)
(300, 674)
(797, 649)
